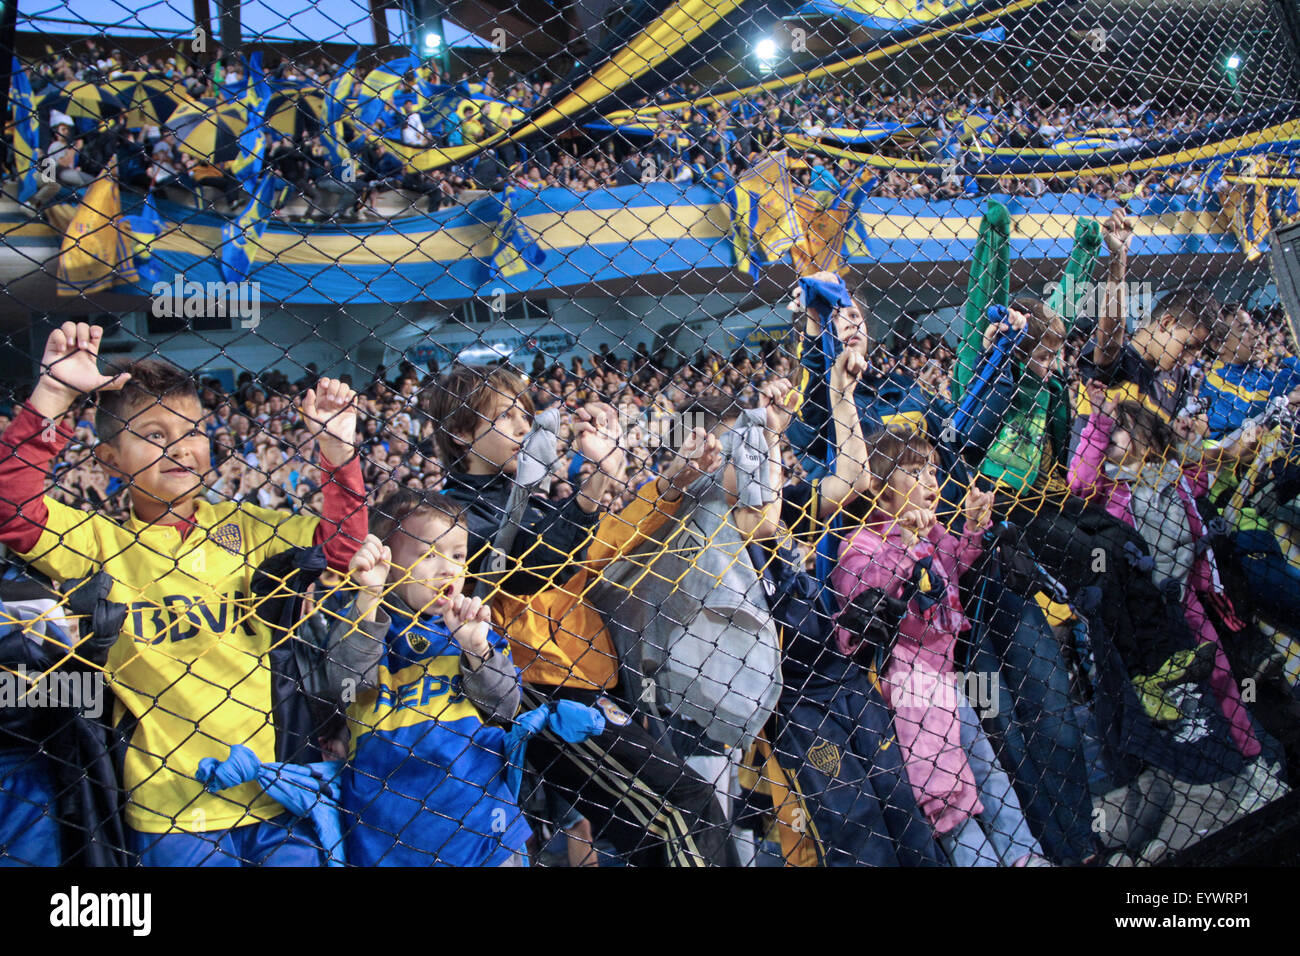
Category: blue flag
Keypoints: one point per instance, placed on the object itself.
(340, 90)
(241, 238)
(381, 85)
(1207, 186)
(145, 228)
(850, 198)
(26, 133)
(247, 166)
(513, 247)
(764, 224)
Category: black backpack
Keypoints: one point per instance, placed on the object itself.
(1083, 546)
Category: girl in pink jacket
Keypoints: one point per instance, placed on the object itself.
(902, 550)
(1129, 460)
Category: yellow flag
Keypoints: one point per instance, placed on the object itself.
(1246, 206)
(820, 247)
(94, 254)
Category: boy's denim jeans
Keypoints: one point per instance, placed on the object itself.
(999, 836)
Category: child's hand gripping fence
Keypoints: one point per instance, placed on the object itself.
(415, 381)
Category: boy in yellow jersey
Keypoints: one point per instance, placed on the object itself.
(191, 669)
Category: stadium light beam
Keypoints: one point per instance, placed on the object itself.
(765, 52)
(1234, 62)
(432, 42)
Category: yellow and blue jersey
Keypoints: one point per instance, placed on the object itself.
(425, 782)
(1235, 393)
(191, 669)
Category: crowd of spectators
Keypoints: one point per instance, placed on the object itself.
(261, 451)
(683, 145)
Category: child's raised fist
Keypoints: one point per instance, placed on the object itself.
(978, 508)
(330, 411)
(700, 454)
(1118, 232)
(468, 618)
(368, 569)
(1099, 399)
(70, 368)
(369, 566)
(849, 366)
(918, 520)
(777, 398)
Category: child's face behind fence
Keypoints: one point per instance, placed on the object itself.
(162, 452)
(1172, 343)
(910, 487)
(851, 327)
(1124, 449)
(1243, 343)
(429, 563)
(494, 444)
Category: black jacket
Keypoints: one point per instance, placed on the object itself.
(79, 747)
(551, 536)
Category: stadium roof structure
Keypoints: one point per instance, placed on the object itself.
(350, 22)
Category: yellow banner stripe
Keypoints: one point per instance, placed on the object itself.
(843, 65)
(667, 35)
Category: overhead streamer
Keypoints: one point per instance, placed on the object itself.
(662, 45)
(1260, 132)
(644, 123)
(978, 15)
(1168, 153)
(890, 15)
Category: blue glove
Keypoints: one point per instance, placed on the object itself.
(824, 296)
(305, 790)
(567, 719)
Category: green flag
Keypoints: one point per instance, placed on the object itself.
(989, 284)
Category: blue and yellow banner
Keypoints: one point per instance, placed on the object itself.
(241, 239)
(146, 227)
(247, 165)
(659, 236)
(977, 15)
(513, 247)
(341, 90)
(94, 254)
(850, 199)
(1245, 203)
(381, 98)
(1249, 136)
(885, 14)
(631, 65)
(764, 224)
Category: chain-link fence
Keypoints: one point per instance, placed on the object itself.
(555, 432)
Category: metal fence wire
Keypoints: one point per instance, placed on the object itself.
(695, 433)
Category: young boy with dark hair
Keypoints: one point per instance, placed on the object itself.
(190, 670)
(638, 794)
(425, 782)
(1152, 365)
